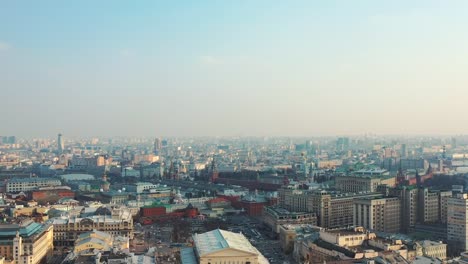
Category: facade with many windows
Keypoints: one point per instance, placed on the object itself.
(378, 214)
(28, 184)
(26, 242)
(333, 210)
(118, 222)
(457, 222)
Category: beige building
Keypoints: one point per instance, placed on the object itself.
(346, 238)
(288, 234)
(335, 245)
(118, 222)
(149, 158)
(378, 214)
(362, 183)
(432, 249)
(222, 247)
(97, 240)
(27, 242)
(332, 210)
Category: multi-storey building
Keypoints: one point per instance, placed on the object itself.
(420, 205)
(433, 205)
(28, 184)
(362, 183)
(429, 209)
(332, 210)
(409, 205)
(118, 222)
(274, 217)
(443, 203)
(288, 234)
(27, 242)
(457, 222)
(378, 214)
(432, 249)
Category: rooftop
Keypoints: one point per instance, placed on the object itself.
(21, 180)
(219, 239)
(282, 211)
(187, 256)
(25, 229)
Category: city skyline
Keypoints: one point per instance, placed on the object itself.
(245, 68)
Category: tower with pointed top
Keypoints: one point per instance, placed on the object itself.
(214, 171)
(105, 185)
(304, 164)
(157, 146)
(60, 144)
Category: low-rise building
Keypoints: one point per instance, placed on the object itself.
(432, 249)
(218, 202)
(346, 237)
(141, 187)
(114, 197)
(220, 246)
(29, 184)
(51, 195)
(102, 241)
(288, 234)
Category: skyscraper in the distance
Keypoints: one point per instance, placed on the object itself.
(60, 145)
(157, 146)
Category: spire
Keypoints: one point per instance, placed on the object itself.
(418, 179)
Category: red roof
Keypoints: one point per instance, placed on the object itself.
(218, 200)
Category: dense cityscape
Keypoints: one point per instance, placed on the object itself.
(365, 199)
(233, 132)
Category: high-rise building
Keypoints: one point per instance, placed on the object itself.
(409, 205)
(332, 210)
(60, 145)
(342, 144)
(157, 146)
(457, 222)
(432, 205)
(404, 151)
(443, 204)
(8, 139)
(420, 205)
(429, 209)
(378, 214)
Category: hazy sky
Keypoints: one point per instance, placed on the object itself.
(181, 68)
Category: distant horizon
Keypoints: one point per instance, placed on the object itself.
(260, 68)
(383, 136)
